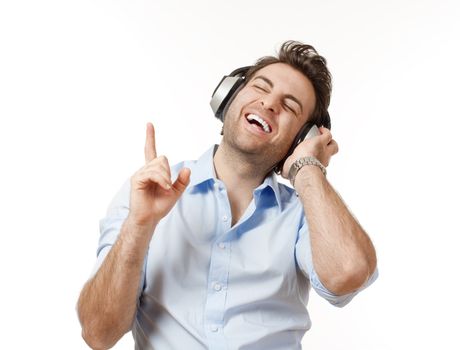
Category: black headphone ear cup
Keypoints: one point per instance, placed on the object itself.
(298, 139)
(303, 132)
(326, 120)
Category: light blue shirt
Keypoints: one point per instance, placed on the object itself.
(208, 285)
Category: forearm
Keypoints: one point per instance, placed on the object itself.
(343, 255)
(107, 303)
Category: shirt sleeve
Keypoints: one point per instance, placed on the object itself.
(110, 227)
(305, 262)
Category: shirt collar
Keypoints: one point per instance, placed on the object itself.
(271, 182)
(203, 171)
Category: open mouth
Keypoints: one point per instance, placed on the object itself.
(259, 122)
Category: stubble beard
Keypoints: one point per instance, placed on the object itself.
(263, 155)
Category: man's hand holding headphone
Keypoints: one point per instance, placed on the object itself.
(322, 147)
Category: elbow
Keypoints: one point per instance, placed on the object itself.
(350, 277)
(100, 340)
(99, 331)
(93, 341)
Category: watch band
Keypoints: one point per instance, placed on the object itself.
(300, 163)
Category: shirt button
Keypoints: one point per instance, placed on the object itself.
(222, 245)
(214, 328)
(224, 218)
(217, 287)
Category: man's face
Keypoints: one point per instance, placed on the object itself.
(268, 112)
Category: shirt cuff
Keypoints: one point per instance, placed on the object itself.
(339, 300)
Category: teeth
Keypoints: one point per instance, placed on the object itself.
(259, 120)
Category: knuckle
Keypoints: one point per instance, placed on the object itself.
(155, 163)
(335, 147)
(163, 160)
(154, 172)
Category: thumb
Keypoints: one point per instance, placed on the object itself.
(182, 181)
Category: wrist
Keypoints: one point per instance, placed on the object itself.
(136, 230)
(305, 163)
(133, 243)
(307, 177)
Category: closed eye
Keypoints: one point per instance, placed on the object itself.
(290, 109)
(260, 88)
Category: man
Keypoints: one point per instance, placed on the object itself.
(224, 256)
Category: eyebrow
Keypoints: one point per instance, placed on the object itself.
(289, 96)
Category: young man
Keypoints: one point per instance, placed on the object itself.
(224, 256)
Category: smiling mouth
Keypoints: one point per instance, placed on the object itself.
(258, 121)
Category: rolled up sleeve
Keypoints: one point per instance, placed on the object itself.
(110, 227)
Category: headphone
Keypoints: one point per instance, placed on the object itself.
(229, 87)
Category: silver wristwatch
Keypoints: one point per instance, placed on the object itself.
(299, 163)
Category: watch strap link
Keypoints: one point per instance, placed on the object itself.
(300, 163)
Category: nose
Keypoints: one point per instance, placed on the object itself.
(269, 102)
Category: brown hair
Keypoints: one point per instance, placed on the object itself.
(305, 59)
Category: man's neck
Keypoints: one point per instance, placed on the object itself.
(235, 170)
(240, 176)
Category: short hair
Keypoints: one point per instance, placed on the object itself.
(305, 59)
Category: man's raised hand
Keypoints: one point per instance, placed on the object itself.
(152, 193)
(322, 147)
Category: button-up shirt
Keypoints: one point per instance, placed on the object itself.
(209, 285)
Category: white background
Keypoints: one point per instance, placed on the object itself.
(79, 80)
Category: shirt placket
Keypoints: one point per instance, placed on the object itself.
(218, 274)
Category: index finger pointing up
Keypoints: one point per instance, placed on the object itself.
(150, 150)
